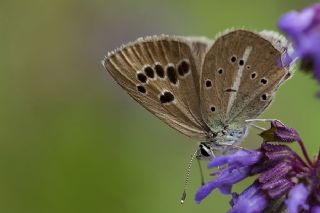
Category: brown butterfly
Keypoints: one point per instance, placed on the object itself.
(205, 89)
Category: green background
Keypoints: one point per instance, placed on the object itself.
(73, 141)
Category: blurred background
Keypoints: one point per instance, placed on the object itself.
(73, 141)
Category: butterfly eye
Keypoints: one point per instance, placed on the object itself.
(213, 109)
(241, 62)
(220, 71)
(205, 150)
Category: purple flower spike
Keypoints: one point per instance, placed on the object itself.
(304, 30)
(283, 133)
(279, 133)
(297, 199)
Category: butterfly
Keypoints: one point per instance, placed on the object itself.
(205, 89)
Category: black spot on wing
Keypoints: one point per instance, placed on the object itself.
(230, 90)
(166, 97)
(159, 70)
(141, 89)
(208, 83)
(264, 81)
(183, 68)
(149, 71)
(172, 74)
(233, 59)
(264, 97)
(142, 77)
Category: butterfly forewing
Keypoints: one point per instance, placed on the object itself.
(241, 72)
(162, 75)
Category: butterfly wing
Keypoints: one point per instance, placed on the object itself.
(241, 72)
(162, 74)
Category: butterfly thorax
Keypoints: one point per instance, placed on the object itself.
(221, 141)
(230, 137)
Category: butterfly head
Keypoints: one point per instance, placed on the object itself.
(205, 152)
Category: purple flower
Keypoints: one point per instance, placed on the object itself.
(279, 133)
(315, 209)
(297, 199)
(237, 170)
(251, 200)
(272, 162)
(281, 173)
(304, 30)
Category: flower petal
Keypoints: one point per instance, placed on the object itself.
(315, 209)
(224, 181)
(252, 200)
(303, 28)
(241, 158)
(297, 199)
(296, 22)
(276, 172)
(205, 190)
(283, 133)
(218, 161)
(279, 133)
(280, 190)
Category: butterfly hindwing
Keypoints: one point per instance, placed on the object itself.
(161, 74)
(241, 72)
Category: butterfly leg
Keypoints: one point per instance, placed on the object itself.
(251, 121)
(230, 147)
(201, 173)
(261, 120)
(239, 148)
(257, 127)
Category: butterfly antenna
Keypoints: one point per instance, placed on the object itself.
(187, 178)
